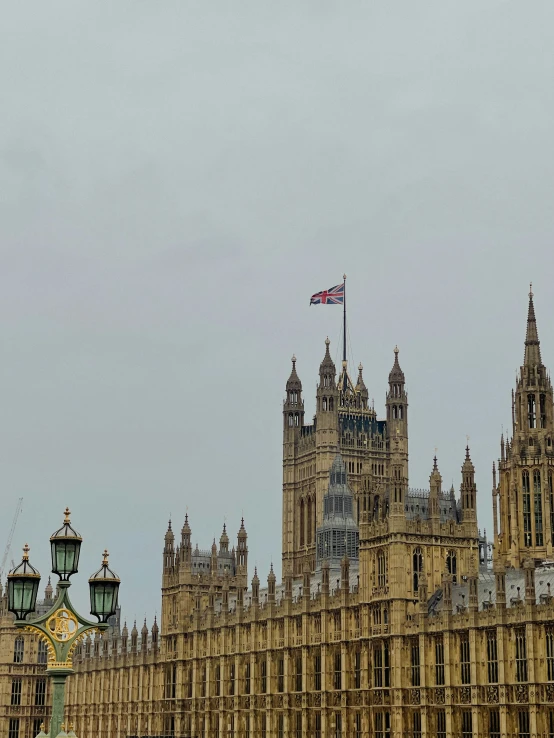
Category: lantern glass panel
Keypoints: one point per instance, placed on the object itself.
(103, 599)
(65, 557)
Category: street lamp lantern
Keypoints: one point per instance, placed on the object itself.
(23, 582)
(66, 547)
(104, 589)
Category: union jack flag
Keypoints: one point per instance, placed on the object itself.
(333, 296)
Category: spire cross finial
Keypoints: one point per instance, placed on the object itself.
(531, 290)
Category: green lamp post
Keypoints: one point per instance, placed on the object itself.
(61, 628)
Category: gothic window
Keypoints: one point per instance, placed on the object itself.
(416, 724)
(338, 671)
(291, 420)
(467, 724)
(357, 670)
(494, 723)
(317, 672)
(338, 725)
(400, 412)
(551, 495)
(378, 665)
(452, 565)
(492, 657)
(324, 404)
(441, 723)
(217, 681)
(394, 412)
(280, 674)
(16, 691)
(301, 522)
(40, 692)
(523, 723)
(296, 419)
(465, 668)
(171, 681)
(526, 508)
(439, 661)
(521, 656)
(415, 662)
(232, 679)
(417, 568)
(331, 404)
(381, 569)
(358, 725)
(42, 653)
(298, 674)
(13, 729)
(543, 410)
(550, 654)
(531, 410)
(18, 650)
(538, 507)
(298, 733)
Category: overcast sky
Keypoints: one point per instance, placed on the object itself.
(176, 180)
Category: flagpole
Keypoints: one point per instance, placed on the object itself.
(344, 321)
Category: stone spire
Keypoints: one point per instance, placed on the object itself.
(532, 355)
(435, 484)
(396, 374)
(224, 540)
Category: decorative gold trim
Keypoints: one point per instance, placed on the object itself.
(43, 637)
(62, 625)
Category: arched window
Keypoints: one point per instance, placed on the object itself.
(537, 503)
(291, 421)
(551, 495)
(301, 522)
(417, 563)
(394, 412)
(381, 569)
(452, 565)
(531, 410)
(400, 412)
(526, 508)
(324, 404)
(296, 420)
(42, 652)
(542, 401)
(331, 404)
(18, 650)
(309, 534)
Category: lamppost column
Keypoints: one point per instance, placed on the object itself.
(58, 700)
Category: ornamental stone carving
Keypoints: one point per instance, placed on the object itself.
(465, 695)
(415, 697)
(522, 693)
(439, 696)
(492, 695)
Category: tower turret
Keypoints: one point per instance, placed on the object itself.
(186, 548)
(242, 550)
(526, 477)
(468, 490)
(327, 394)
(435, 491)
(169, 550)
(293, 406)
(397, 403)
(224, 541)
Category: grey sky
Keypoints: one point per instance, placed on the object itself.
(177, 178)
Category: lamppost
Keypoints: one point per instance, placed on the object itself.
(61, 628)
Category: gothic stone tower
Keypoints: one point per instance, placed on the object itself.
(193, 578)
(526, 466)
(344, 422)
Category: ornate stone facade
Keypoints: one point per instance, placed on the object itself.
(412, 635)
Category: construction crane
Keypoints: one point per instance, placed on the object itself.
(10, 537)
